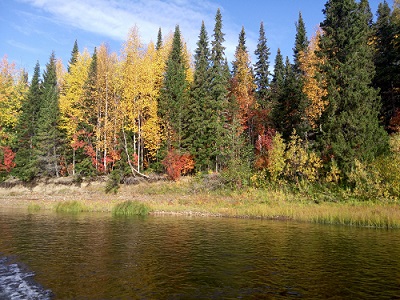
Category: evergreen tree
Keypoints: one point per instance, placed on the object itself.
(173, 98)
(90, 94)
(298, 102)
(350, 129)
(47, 139)
(25, 160)
(261, 69)
(219, 79)
(159, 40)
(386, 58)
(301, 42)
(74, 56)
(201, 117)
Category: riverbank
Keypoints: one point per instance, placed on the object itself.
(188, 198)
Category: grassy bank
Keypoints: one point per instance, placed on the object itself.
(186, 198)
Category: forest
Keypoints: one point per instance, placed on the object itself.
(328, 116)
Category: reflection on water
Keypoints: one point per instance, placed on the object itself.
(95, 256)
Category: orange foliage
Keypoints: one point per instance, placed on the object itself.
(177, 164)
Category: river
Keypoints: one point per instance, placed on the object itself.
(96, 256)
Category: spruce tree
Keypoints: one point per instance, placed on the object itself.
(386, 58)
(25, 160)
(47, 139)
(219, 78)
(159, 39)
(298, 102)
(173, 98)
(350, 127)
(74, 56)
(301, 42)
(261, 69)
(201, 117)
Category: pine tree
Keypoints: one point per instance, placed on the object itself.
(173, 98)
(74, 56)
(350, 128)
(47, 139)
(25, 159)
(261, 69)
(219, 78)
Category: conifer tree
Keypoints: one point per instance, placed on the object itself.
(386, 57)
(74, 56)
(201, 117)
(25, 160)
(47, 139)
(219, 78)
(173, 98)
(301, 42)
(159, 40)
(350, 127)
(261, 69)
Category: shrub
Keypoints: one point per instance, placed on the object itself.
(112, 184)
(177, 164)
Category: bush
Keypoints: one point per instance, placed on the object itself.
(112, 184)
(177, 164)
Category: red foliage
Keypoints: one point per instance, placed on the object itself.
(8, 159)
(263, 145)
(395, 121)
(177, 164)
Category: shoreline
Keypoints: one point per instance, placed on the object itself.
(179, 198)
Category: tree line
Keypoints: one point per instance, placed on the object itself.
(155, 107)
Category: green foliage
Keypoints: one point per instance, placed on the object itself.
(201, 118)
(261, 68)
(25, 160)
(350, 129)
(72, 207)
(131, 208)
(112, 184)
(48, 137)
(174, 94)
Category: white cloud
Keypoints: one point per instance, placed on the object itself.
(114, 18)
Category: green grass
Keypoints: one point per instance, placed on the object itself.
(70, 207)
(33, 207)
(130, 208)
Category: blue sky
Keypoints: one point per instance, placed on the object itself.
(31, 29)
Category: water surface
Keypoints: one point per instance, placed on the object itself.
(96, 256)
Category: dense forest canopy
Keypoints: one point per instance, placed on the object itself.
(325, 115)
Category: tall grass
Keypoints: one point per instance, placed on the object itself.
(70, 207)
(130, 208)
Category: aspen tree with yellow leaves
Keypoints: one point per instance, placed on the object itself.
(72, 96)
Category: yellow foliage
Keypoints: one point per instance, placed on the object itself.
(243, 87)
(300, 162)
(314, 85)
(72, 95)
(12, 92)
(276, 157)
